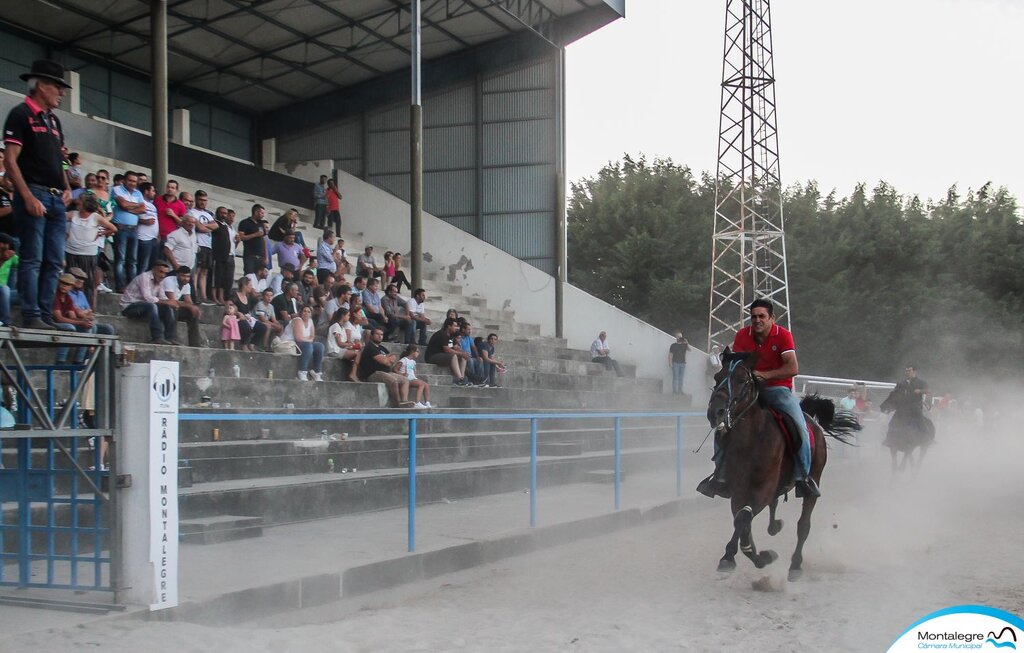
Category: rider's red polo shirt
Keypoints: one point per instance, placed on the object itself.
(770, 352)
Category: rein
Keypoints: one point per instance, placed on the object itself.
(727, 382)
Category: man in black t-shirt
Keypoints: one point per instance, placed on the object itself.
(35, 166)
(250, 234)
(287, 305)
(441, 351)
(677, 361)
(375, 365)
(223, 241)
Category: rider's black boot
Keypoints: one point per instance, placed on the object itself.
(714, 485)
(806, 487)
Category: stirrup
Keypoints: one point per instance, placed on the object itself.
(806, 487)
(712, 487)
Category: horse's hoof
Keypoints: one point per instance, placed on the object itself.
(774, 527)
(765, 558)
(795, 574)
(726, 566)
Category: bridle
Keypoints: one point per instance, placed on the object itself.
(726, 387)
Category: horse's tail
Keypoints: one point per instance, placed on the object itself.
(838, 424)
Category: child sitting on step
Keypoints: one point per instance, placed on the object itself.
(406, 366)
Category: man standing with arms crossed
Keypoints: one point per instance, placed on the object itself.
(775, 368)
(34, 139)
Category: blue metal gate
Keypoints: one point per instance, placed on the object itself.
(56, 519)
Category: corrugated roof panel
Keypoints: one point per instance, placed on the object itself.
(393, 118)
(450, 193)
(523, 235)
(519, 105)
(517, 190)
(338, 141)
(388, 153)
(397, 185)
(519, 143)
(449, 147)
(541, 75)
(455, 107)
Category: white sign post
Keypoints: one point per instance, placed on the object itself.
(147, 458)
(163, 482)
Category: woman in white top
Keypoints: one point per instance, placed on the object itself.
(341, 341)
(406, 366)
(84, 227)
(302, 331)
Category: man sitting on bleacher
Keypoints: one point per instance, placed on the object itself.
(279, 281)
(260, 280)
(376, 364)
(442, 350)
(288, 305)
(371, 305)
(178, 291)
(144, 300)
(418, 314)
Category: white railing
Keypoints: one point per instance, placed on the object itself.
(805, 383)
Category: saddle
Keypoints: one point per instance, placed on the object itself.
(793, 439)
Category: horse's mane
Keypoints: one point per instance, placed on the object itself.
(839, 424)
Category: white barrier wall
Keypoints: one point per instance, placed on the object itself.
(506, 282)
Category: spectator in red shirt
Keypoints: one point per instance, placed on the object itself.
(169, 209)
(66, 318)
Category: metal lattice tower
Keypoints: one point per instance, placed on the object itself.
(749, 248)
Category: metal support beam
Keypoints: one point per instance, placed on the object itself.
(748, 248)
(561, 262)
(158, 85)
(416, 155)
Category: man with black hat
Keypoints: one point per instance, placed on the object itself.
(35, 166)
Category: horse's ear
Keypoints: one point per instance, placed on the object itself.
(728, 350)
(750, 358)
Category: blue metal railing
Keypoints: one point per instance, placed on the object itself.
(57, 539)
(534, 419)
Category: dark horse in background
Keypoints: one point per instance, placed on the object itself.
(908, 428)
(758, 459)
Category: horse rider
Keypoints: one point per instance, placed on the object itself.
(915, 390)
(776, 366)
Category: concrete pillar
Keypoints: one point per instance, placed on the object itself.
(148, 509)
(180, 127)
(75, 94)
(269, 156)
(158, 84)
(416, 155)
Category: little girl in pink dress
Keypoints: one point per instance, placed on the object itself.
(229, 326)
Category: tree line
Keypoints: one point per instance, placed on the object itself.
(877, 280)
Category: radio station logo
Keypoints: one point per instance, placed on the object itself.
(164, 385)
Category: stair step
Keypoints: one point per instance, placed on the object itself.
(560, 448)
(220, 528)
(602, 476)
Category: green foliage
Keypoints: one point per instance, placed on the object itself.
(877, 279)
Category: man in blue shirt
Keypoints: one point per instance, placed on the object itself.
(320, 203)
(129, 204)
(474, 365)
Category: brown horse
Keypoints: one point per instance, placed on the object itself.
(758, 464)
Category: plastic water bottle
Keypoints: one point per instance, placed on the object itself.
(330, 465)
(210, 373)
(236, 371)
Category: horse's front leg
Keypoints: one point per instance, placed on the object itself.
(728, 561)
(803, 528)
(743, 520)
(774, 525)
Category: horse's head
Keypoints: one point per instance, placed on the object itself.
(735, 389)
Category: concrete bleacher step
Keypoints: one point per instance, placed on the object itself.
(603, 476)
(227, 460)
(574, 448)
(313, 496)
(220, 528)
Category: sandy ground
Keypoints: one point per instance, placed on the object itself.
(883, 552)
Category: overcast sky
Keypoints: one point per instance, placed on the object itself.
(920, 93)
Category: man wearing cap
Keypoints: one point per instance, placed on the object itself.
(66, 318)
(143, 299)
(82, 306)
(35, 166)
(282, 278)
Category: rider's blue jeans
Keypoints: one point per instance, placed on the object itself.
(783, 400)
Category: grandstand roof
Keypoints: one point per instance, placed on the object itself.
(267, 54)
